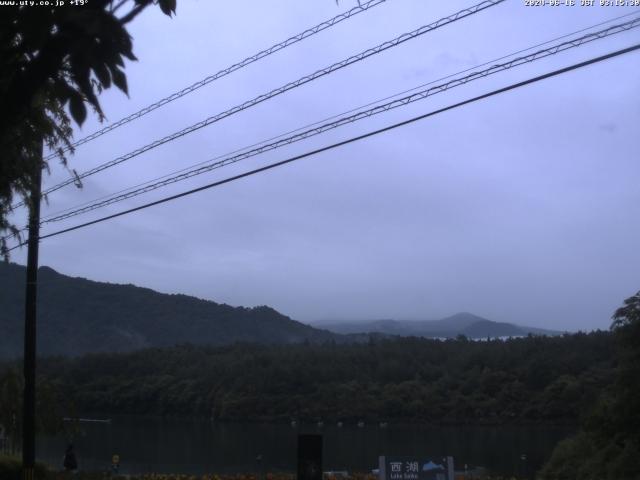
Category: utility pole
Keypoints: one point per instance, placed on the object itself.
(29, 403)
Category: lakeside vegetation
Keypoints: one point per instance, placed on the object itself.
(533, 379)
(591, 379)
(608, 445)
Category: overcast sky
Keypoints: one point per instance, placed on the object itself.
(521, 208)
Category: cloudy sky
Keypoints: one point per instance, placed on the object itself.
(522, 208)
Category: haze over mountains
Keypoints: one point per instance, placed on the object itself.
(78, 316)
(464, 323)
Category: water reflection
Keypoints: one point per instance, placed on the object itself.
(171, 445)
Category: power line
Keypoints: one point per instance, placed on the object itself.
(335, 116)
(222, 73)
(348, 141)
(420, 95)
(289, 86)
(193, 170)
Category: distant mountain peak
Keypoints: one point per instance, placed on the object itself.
(47, 270)
(461, 323)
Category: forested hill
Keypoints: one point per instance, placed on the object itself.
(532, 379)
(77, 316)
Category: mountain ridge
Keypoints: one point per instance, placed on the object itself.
(77, 316)
(462, 323)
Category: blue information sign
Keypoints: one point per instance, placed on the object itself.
(415, 468)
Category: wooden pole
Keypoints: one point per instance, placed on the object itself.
(29, 404)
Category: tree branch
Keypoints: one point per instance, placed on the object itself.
(137, 10)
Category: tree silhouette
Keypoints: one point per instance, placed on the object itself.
(629, 314)
(53, 59)
(608, 446)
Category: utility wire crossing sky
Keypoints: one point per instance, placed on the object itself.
(345, 142)
(513, 208)
(283, 89)
(420, 95)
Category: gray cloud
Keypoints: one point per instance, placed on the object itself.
(520, 208)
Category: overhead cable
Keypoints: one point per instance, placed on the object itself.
(222, 73)
(332, 117)
(344, 142)
(414, 97)
(278, 91)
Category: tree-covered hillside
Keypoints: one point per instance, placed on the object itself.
(535, 379)
(77, 316)
(608, 445)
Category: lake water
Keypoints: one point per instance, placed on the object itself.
(173, 445)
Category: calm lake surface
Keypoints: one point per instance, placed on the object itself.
(174, 445)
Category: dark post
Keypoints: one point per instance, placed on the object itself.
(29, 404)
(309, 457)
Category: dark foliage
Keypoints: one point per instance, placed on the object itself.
(609, 445)
(535, 379)
(54, 59)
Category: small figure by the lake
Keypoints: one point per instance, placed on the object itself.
(70, 462)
